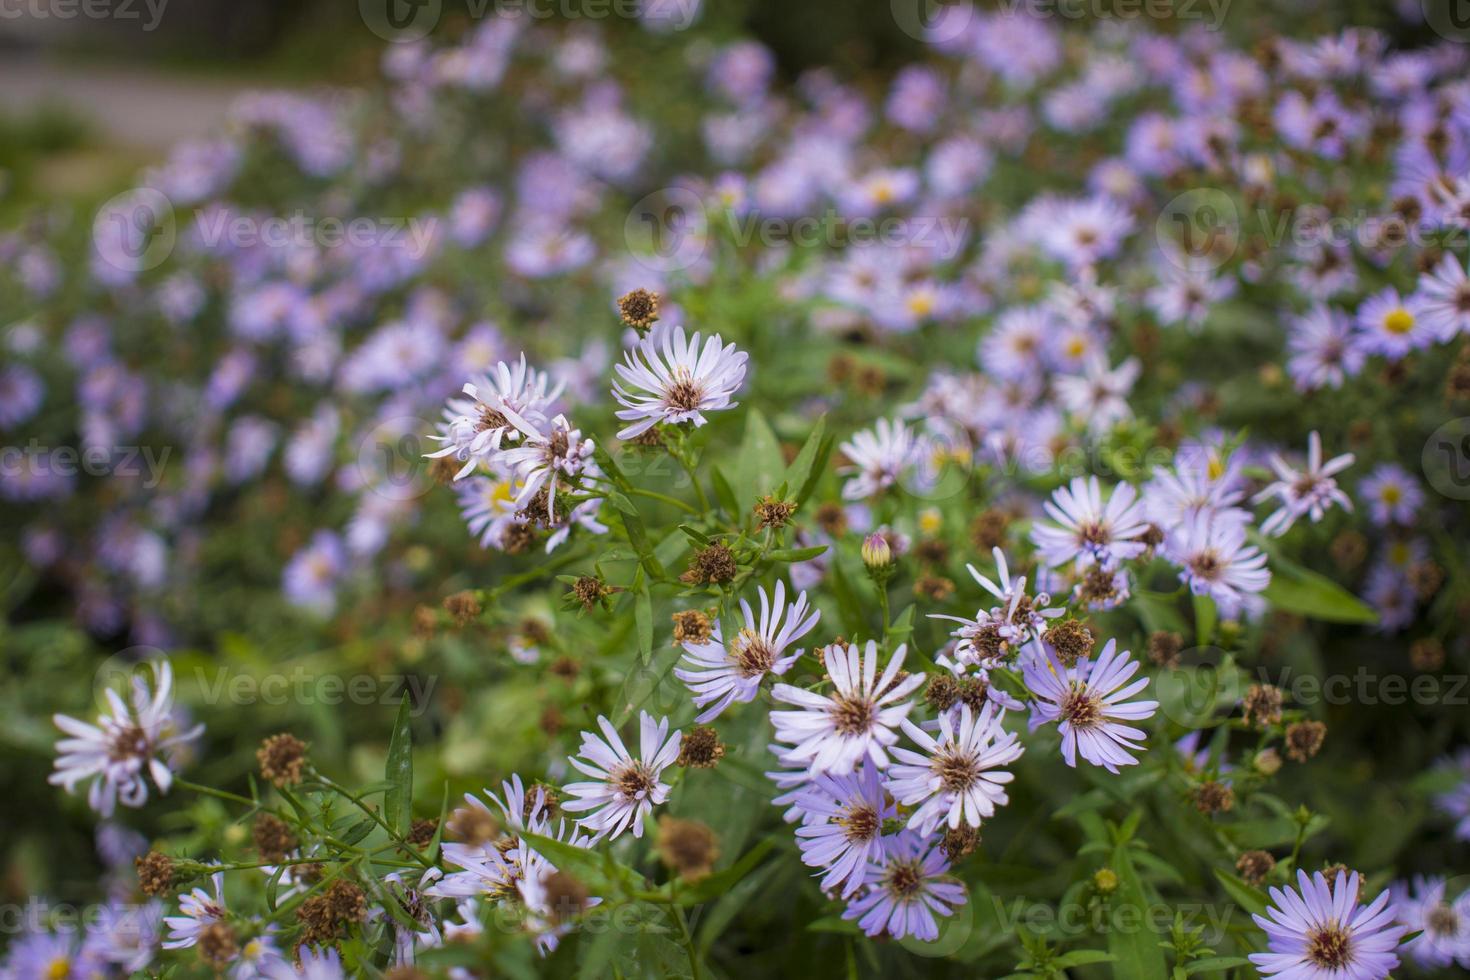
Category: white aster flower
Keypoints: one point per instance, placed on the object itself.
(1309, 492)
(128, 743)
(670, 379)
(879, 456)
(833, 733)
(959, 777)
(721, 676)
(625, 788)
(476, 426)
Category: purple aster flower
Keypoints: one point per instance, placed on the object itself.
(1393, 325)
(1088, 529)
(878, 457)
(670, 379)
(129, 743)
(833, 733)
(476, 427)
(1089, 702)
(21, 394)
(916, 100)
(719, 677)
(473, 215)
(1216, 561)
(1319, 930)
(841, 830)
(624, 788)
(1443, 923)
(1309, 492)
(126, 935)
(1446, 299)
(992, 634)
(959, 777)
(311, 576)
(1322, 353)
(1391, 593)
(1393, 495)
(907, 891)
(1099, 394)
(1456, 802)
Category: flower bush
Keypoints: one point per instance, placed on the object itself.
(589, 506)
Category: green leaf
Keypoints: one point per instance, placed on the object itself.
(598, 871)
(761, 463)
(1205, 616)
(1082, 957)
(1136, 951)
(794, 555)
(1249, 898)
(1158, 612)
(1295, 589)
(643, 616)
(398, 801)
(806, 469)
(714, 885)
(724, 493)
(1215, 963)
(901, 629)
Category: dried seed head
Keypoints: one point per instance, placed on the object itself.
(518, 539)
(714, 563)
(942, 692)
(773, 512)
(1426, 654)
(692, 626)
(639, 309)
(960, 841)
(935, 588)
(1263, 705)
(1164, 647)
(472, 825)
(988, 529)
(217, 944)
(1304, 740)
(463, 606)
(1071, 639)
(565, 895)
(687, 847)
(155, 874)
(281, 758)
(700, 748)
(1254, 866)
(421, 833)
(932, 551)
(1213, 796)
(832, 519)
(273, 838)
(590, 590)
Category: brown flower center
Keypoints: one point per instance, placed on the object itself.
(957, 769)
(1082, 708)
(634, 780)
(751, 654)
(684, 395)
(904, 880)
(860, 824)
(852, 715)
(1330, 947)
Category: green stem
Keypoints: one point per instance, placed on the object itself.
(676, 912)
(665, 498)
(217, 793)
(694, 479)
(376, 817)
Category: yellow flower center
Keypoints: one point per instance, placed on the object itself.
(1391, 494)
(921, 303)
(58, 969)
(1399, 321)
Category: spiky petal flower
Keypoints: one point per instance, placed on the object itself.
(475, 427)
(906, 891)
(833, 733)
(1089, 529)
(1216, 561)
(959, 777)
(625, 788)
(1318, 931)
(719, 676)
(128, 743)
(985, 639)
(545, 458)
(1309, 492)
(841, 828)
(670, 379)
(879, 457)
(1089, 702)
(1443, 923)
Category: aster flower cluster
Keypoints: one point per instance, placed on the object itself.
(929, 483)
